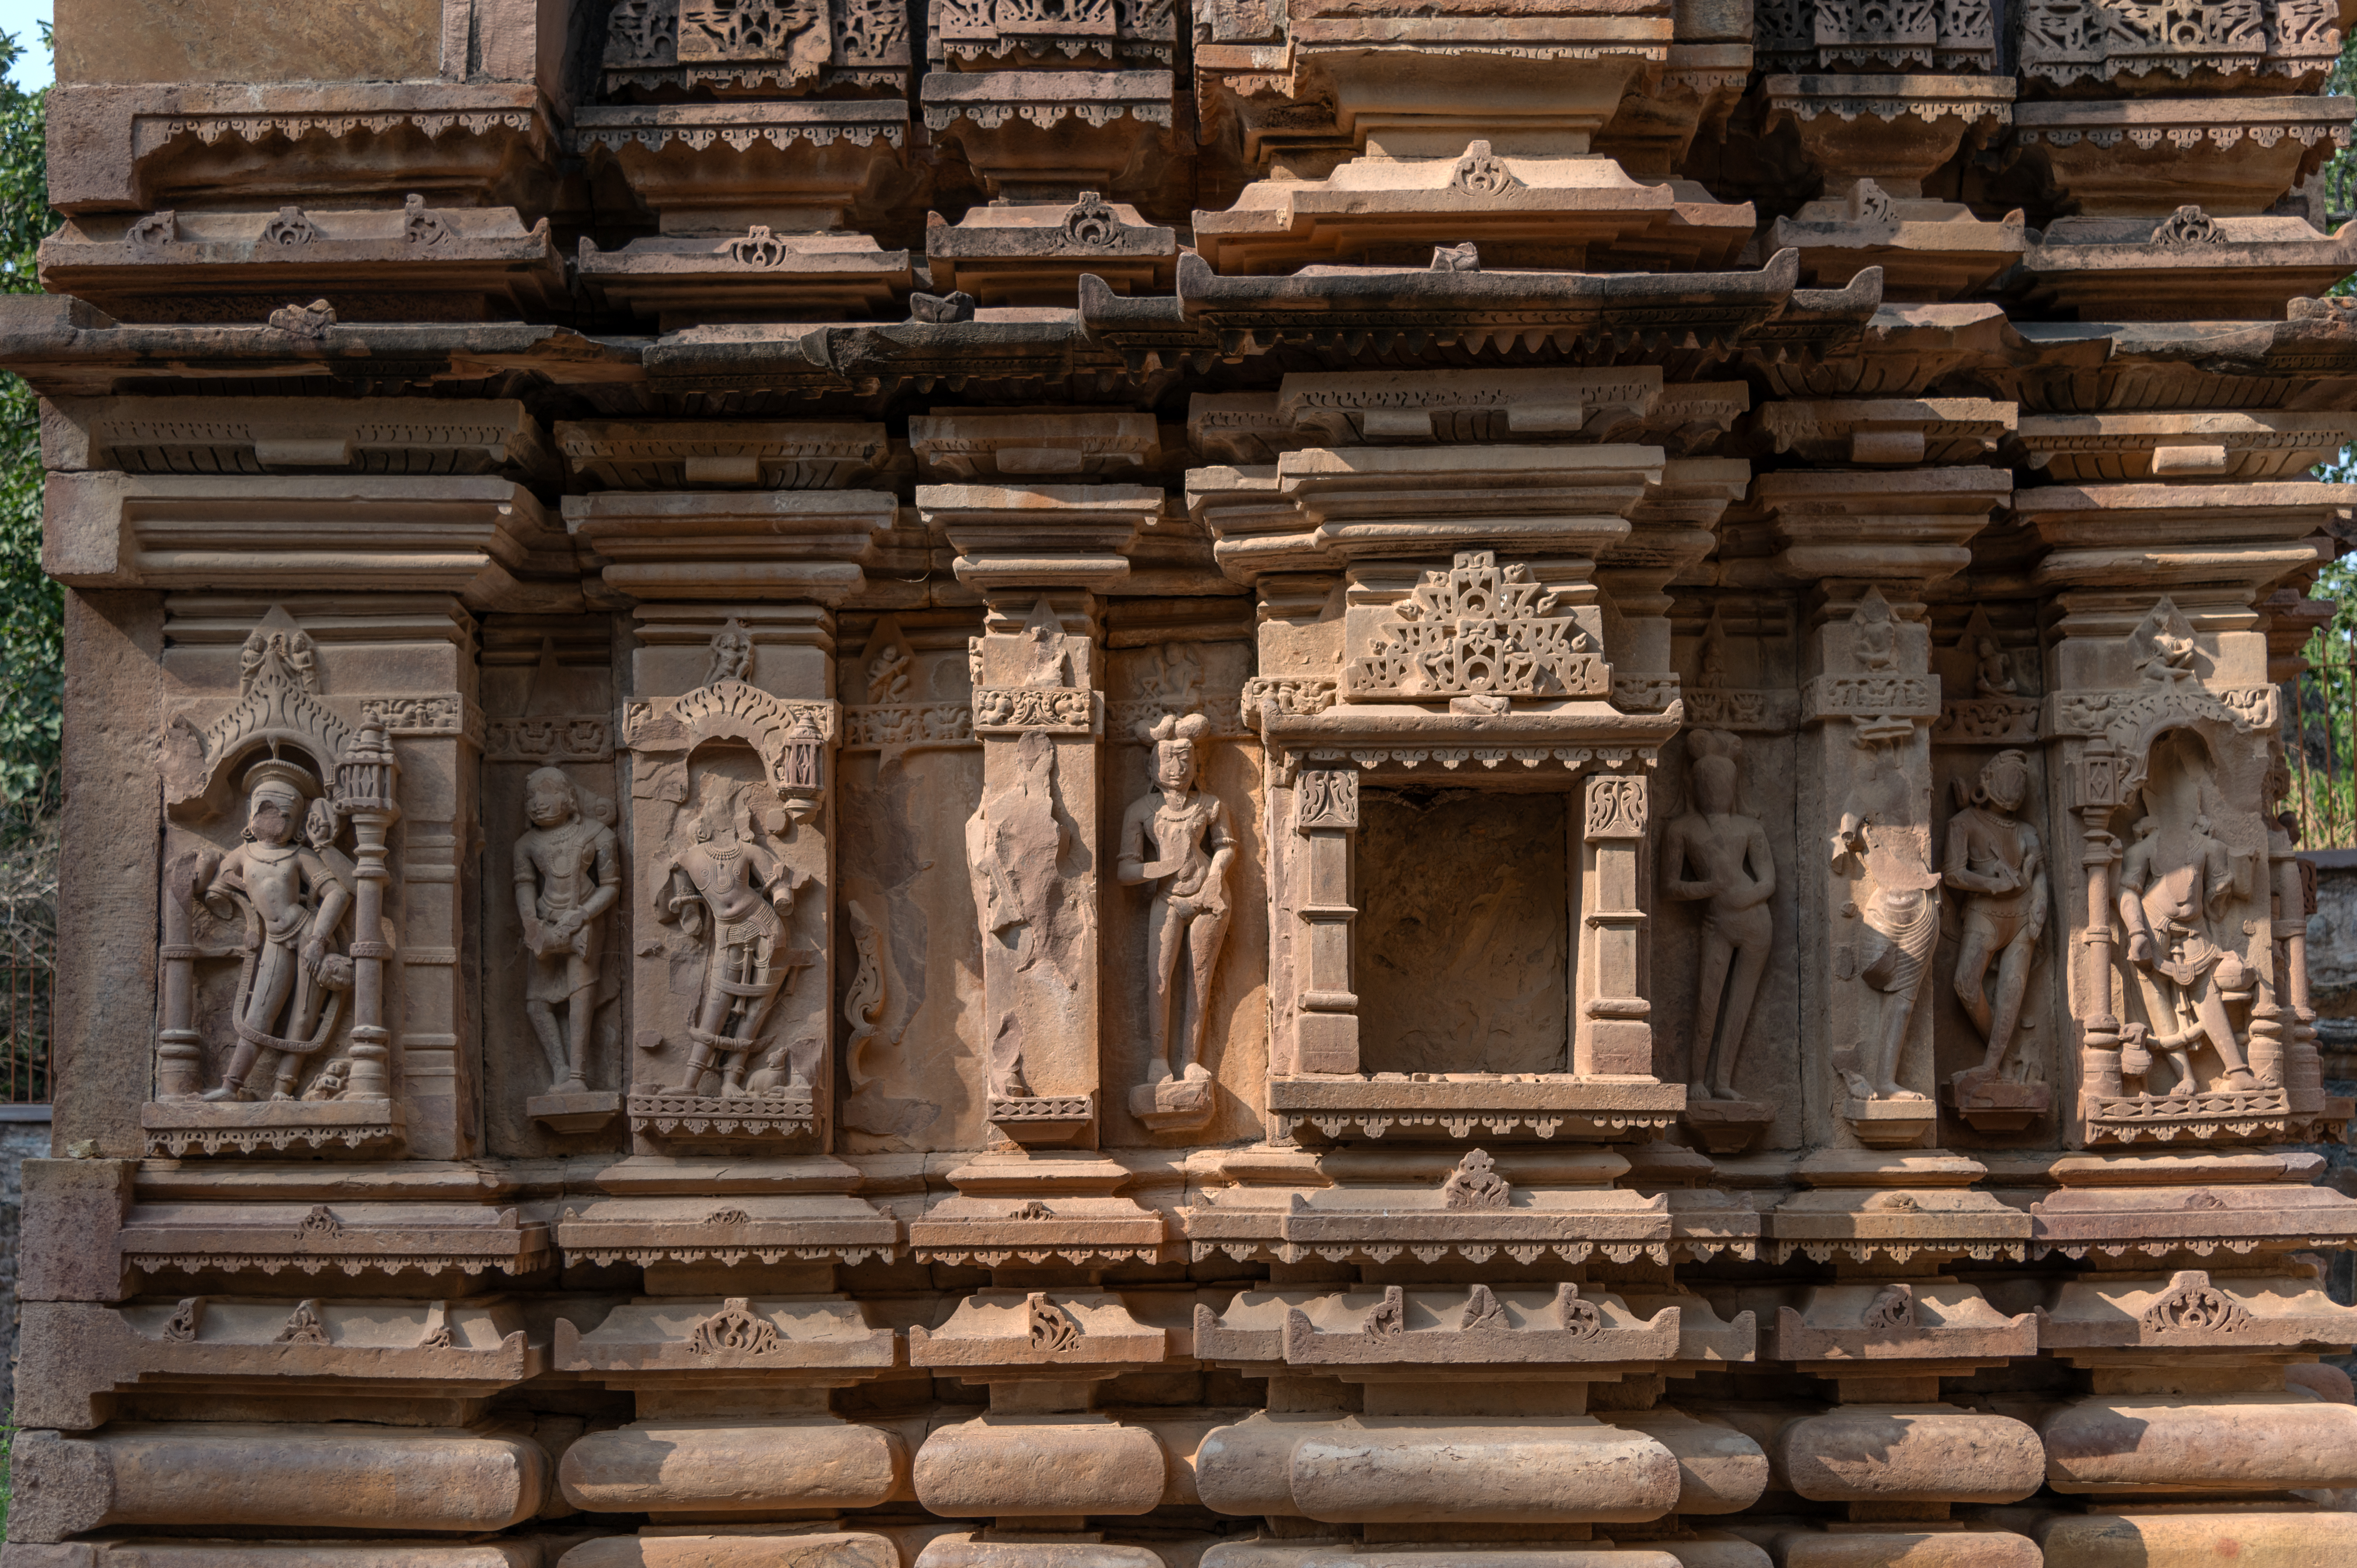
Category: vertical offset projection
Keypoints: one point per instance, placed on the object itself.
(1091, 784)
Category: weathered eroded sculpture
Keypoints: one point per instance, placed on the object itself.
(293, 901)
(1995, 860)
(1403, 786)
(567, 875)
(730, 892)
(1718, 856)
(1176, 839)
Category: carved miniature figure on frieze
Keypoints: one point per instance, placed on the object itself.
(731, 892)
(1177, 838)
(1718, 855)
(567, 876)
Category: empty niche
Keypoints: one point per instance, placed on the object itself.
(1465, 961)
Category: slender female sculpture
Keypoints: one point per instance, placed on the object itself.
(1995, 860)
(1715, 853)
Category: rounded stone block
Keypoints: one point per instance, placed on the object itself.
(1911, 1549)
(966, 1551)
(1023, 1467)
(275, 1555)
(1561, 1470)
(293, 1478)
(1332, 1554)
(1720, 1470)
(1246, 1469)
(2227, 1443)
(1862, 1454)
(846, 1549)
(652, 1466)
(2330, 1384)
(1714, 1550)
(2200, 1539)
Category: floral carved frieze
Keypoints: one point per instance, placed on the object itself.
(1478, 630)
(2064, 41)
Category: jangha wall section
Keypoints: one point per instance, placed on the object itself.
(1307, 785)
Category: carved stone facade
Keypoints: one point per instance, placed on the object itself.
(1060, 784)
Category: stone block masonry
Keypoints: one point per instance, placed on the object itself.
(1070, 786)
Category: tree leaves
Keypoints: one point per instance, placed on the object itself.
(31, 605)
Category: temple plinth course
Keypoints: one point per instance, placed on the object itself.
(1061, 784)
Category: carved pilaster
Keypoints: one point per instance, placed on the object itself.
(1869, 698)
(1325, 821)
(1612, 1031)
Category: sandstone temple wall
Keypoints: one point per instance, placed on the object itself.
(1060, 784)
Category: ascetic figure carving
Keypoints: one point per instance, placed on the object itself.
(731, 892)
(295, 899)
(1184, 829)
(1994, 858)
(1728, 852)
(567, 875)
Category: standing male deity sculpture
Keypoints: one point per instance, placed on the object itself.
(1727, 853)
(295, 899)
(1995, 860)
(1176, 837)
(567, 875)
(730, 891)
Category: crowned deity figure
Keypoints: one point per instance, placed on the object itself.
(294, 896)
(730, 891)
(567, 875)
(1176, 837)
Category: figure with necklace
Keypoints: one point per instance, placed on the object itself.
(567, 875)
(1177, 836)
(294, 898)
(730, 891)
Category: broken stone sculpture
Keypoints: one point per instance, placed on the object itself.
(1091, 784)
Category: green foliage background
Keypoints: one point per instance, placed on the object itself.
(31, 607)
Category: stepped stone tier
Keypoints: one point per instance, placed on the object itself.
(1056, 784)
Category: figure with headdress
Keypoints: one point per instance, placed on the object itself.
(294, 898)
(731, 891)
(1176, 837)
(567, 875)
(2172, 879)
(1995, 860)
(1715, 852)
